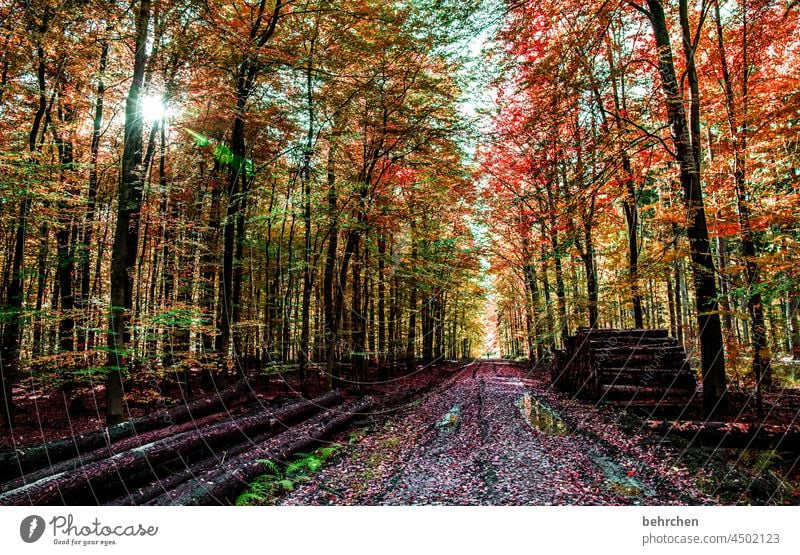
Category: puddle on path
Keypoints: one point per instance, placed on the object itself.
(541, 417)
(450, 420)
(617, 480)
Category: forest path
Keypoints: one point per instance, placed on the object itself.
(494, 434)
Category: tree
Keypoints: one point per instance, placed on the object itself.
(686, 139)
(126, 231)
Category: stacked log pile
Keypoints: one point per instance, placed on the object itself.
(628, 367)
(740, 435)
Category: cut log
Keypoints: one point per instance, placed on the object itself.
(130, 443)
(728, 434)
(149, 493)
(102, 479)
(639, 358)
(22, 461)
(644, 378)
(622, 393)
(640, 333)
(186, 472)
(623, 366)
(223, 484)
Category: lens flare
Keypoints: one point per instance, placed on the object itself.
(152, 107)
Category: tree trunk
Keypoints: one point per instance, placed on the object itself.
(91, 194)
(126, 233)
(738, 128)
(412, 317)
(382, 358)
(794, 322)
(65, 261)
(74, 487)
(591, 274)
(331, 321)
(678, 303)
(632, 221)
(715, 401)
(303, 355)
(75, 449)
(224, 483)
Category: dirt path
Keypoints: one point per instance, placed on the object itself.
(493, 435)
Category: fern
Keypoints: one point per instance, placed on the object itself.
(280, 479)
(326, 453)
(271, 465)
(313, 464)
(249, 498)
(295, 467)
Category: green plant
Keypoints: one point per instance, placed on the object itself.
(766, 460)
(393, 441)
(283, 478)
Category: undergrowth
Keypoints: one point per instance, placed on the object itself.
(282, 478)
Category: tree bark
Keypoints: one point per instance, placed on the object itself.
(412, 317)
(91, 195)
(382, 358)
(126, 231)
(750, 250)
(52, 452)
(308, 282)
(715, 400)
(238, 184)
(223, 484)
(140, 463)
(328, 293)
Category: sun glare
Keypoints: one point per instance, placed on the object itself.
(152, 107)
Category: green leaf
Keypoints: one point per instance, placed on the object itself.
(271, 465)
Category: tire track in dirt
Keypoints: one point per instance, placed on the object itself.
(488, 435)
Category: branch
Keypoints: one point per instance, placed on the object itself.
(638, 8)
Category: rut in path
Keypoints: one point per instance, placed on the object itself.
(494, 435)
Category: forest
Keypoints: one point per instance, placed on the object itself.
(192, 185)
(643, 172)
(347, 201)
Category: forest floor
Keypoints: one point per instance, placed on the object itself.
(496, 434)
(48, 414)
(487, 432)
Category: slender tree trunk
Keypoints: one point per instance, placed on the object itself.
(563, 322)
(715, 401)
(308, 275)
(412, 318)
(673, 325)
(629, 201)
(9, 348)
(236, 175)
(738, 127)
(126, 234)
(91, 194)
(382, 358)
(328, 293)
(357, 316)
(530, 277)
(587, 255)
(394, 315)
(725, 305)
(65, 255)
(548, 306)
(678, 302)
(794, 322)
(632, 221)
